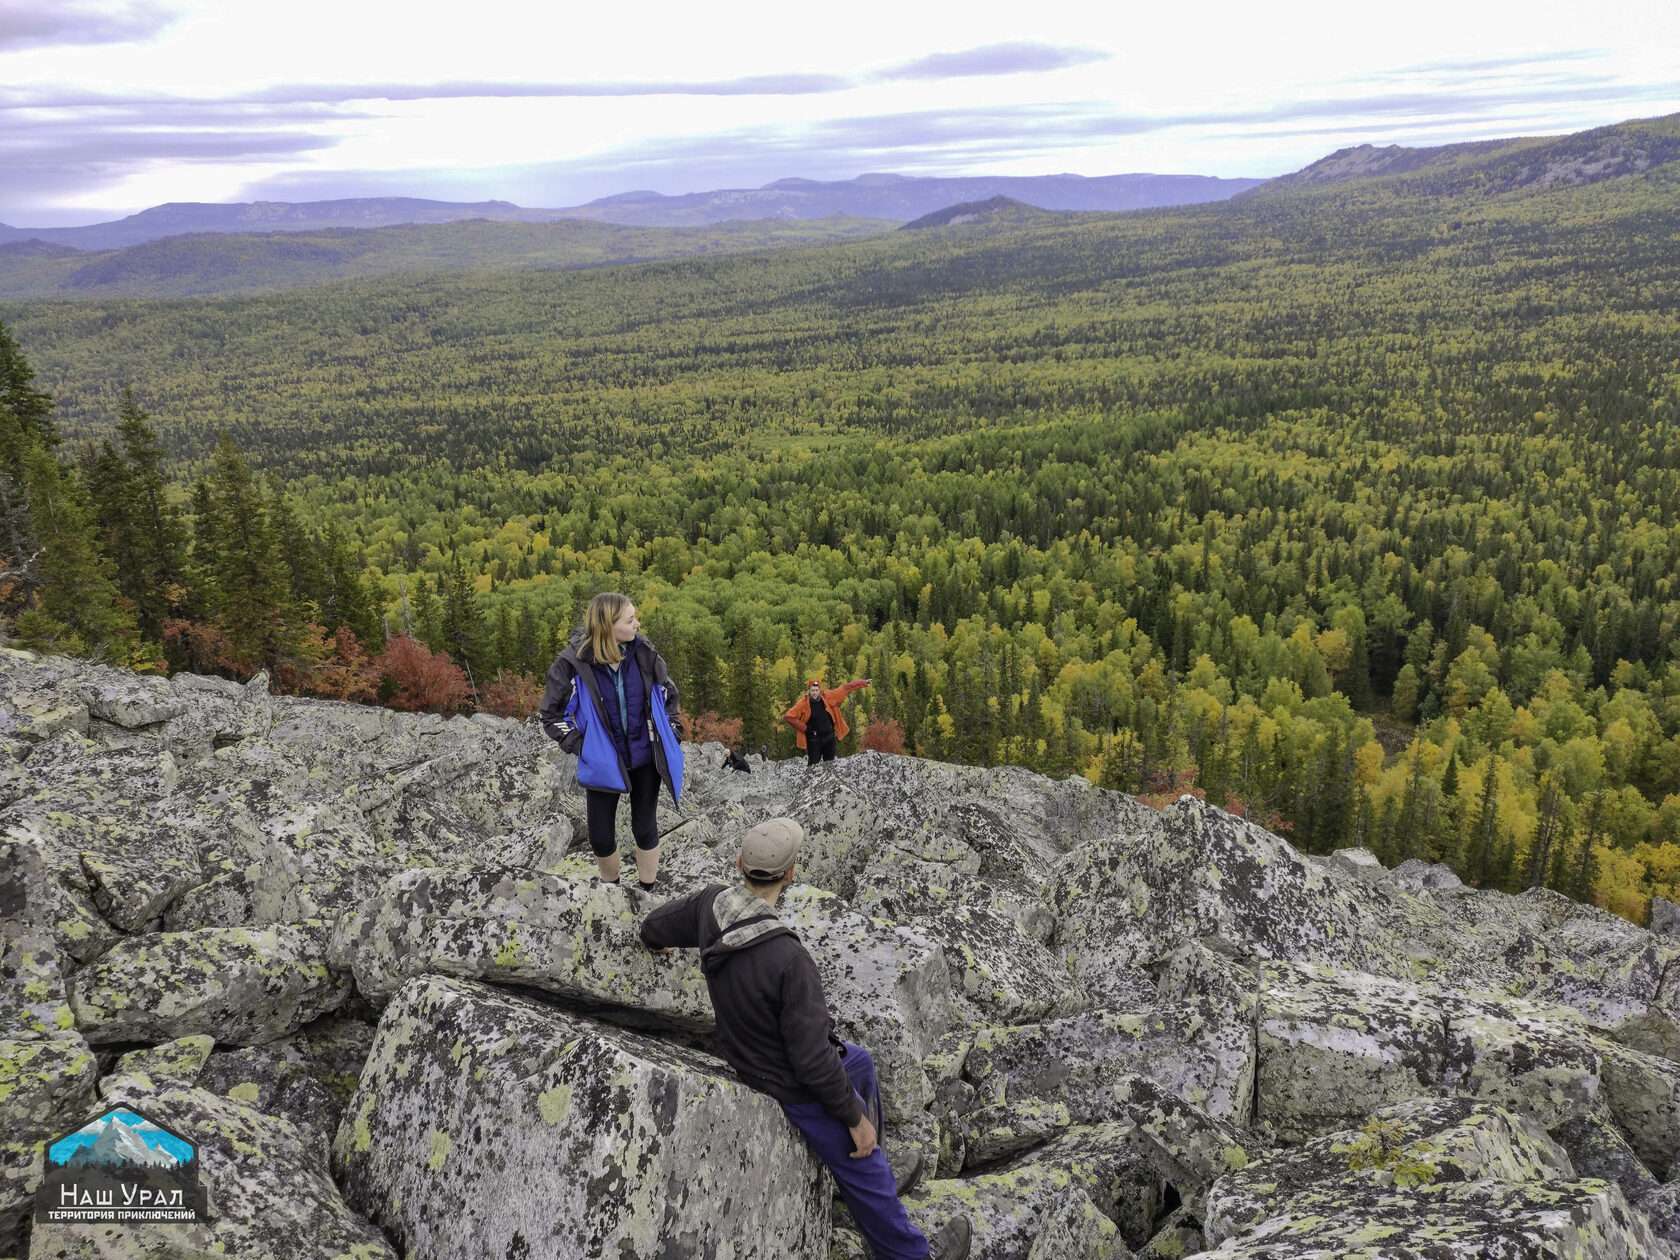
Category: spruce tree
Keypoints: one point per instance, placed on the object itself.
(250, 586)
(141, 528)
(299, 553)
(30, 409)
(345, 599)
(464, 635)
(1483, 832)
(77, 598)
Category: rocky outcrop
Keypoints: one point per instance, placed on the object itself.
(364, 954)
(1473, 1179)
(487, 1124)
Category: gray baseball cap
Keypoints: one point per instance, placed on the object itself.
(770, 848)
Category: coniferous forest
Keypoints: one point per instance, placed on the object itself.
(1354, 506)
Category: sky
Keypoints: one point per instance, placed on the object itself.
(110, 106)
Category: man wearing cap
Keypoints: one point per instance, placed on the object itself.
(774, 1029)
(816, 716)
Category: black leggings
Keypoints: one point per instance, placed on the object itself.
(819, 748)
(602, 810)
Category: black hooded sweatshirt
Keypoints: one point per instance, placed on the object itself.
(773, 1025)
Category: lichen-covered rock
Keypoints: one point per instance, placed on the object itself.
(1107, 1164)
(1491, 1220)
(1187, 1047)
(173, 1064)
(1188, 1148)
(240, 985)
(1643, 1094)
(1429, 1148)
(41, 1082)
(1333, 1046)
(1180, 1235)
(40, 888)
(130, 700)
(1358, 863)
(1545, 1068)
(998, 1130)
(1654, 1030)
(309, 1077)
(1597, 1149)
(487, 1124)
(1455, 1173)
(1665, 917)
(1661, 1209)
(1122, 901)
(33, 1002)
(268, 1189)
(1420, 874)
(1007, 975)
(887, 987)
(1033, 1214)
(578, 939)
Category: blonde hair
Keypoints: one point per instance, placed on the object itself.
(605, 609)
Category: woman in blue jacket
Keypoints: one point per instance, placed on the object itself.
(611, 703)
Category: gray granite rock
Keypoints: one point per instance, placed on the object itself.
(239, 985)
(487, 1124)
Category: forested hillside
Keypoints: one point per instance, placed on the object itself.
(1353, 506)
(205, 263)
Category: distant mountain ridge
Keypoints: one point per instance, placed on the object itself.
(905, 197)
(1496, 166)
(991, 211)
(879, 196)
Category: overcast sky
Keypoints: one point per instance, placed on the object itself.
(109, 106)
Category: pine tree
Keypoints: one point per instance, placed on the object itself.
(1546, 834)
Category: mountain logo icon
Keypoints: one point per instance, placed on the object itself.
(121, 1138)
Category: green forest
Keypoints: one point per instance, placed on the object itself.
(1354, 507)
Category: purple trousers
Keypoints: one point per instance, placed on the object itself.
(867, 1185)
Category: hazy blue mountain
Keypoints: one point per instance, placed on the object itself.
(897, 197)
(905, 197)
(228, 262)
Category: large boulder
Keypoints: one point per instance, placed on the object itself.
(269, 1192)
(1077, 1061)
(1472, 1179)
(244, 986)
(887, 987)
(42, 1081)
(1123, 900)
(489, 1124)
(578, 939)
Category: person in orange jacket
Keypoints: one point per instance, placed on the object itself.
(817, 717)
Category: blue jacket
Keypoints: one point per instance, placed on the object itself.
(574, 713)
(624, 699)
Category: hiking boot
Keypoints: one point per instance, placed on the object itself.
(952, 1240)
(907, 1164)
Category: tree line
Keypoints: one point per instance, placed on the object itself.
(1354, 510)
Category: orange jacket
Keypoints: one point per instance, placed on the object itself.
(801, 711)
